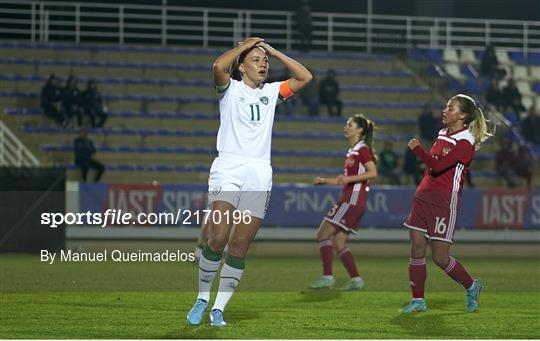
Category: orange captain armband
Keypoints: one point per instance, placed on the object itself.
(285, 90)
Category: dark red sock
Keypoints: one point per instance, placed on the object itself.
(458, 273)
(417, 276)
(348, 261)
(325, 248)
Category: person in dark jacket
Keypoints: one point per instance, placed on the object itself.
(329, 94)
(530, 127)
(494, 95)
(412, 166)
(428, 124)
(84, 150)
(512, 98)
(93, 105)
(71, 99)
(51, 101)
(388, 163)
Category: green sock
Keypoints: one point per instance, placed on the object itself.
(211, 255)
(235, 262)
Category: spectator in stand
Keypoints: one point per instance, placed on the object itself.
(71, 100)
(524, 165)
(494, 95)
(489, 66)
(428, 124)
(310, 95)
(92, 104)
(51, 101)
(512, 98)
(413, 166)
(530, 127)
(388, 163)
(506, 162)
(303, 20)
(84, 150)
(329, 94)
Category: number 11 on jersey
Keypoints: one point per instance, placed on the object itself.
(253, 107)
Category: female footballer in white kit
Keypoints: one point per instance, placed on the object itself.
(241, 176)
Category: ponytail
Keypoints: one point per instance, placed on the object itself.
(478, 128)
(475, 121)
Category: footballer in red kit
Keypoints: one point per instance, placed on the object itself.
(437, 199)
(344, 217)
(436, 203)
(348, 211)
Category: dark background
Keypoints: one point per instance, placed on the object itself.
(488, 9)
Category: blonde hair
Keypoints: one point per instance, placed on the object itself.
(475, 121)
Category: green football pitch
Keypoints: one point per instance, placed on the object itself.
(150, 300)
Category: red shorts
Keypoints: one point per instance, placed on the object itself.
(437, 222)
(346, 216)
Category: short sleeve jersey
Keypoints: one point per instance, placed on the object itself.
(438, 187)
(247, 118)
(355, 161)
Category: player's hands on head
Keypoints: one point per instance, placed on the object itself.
(413, 143)
(319, 181)
(267, 48)
(251, 41)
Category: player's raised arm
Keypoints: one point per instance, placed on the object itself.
(223, 63)
(300, 75)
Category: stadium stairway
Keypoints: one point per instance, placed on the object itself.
(163, 118)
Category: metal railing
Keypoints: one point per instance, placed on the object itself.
(173, 25)
(13, 152)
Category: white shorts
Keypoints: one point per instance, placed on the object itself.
(243, 182)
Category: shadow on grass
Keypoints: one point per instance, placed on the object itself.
(319, 295)
(205, 331)
(426, 324)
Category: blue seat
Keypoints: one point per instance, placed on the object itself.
(434, 55)
(471, 86)
(536, 87)
(417, 55)
(454, 85)
(436, 71)
(469, 71)
(518, 58)
(534, 58)
(512, 117)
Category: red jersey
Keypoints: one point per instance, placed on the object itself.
(357, 157)
(447, 166)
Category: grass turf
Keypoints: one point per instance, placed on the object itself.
(150, 300)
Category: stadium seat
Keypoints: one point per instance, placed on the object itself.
(518, 58)
(471, 86)
(434, 55)
(536, 87)
(453, 71)
(512, 117)
(454, 86)
(535, 72)
(502, 57)
(468, 56)
(524, 88)
(469, 71)
(527, 102)
(417, 55)
(534, 58)
(450, 56)
(520, 72)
